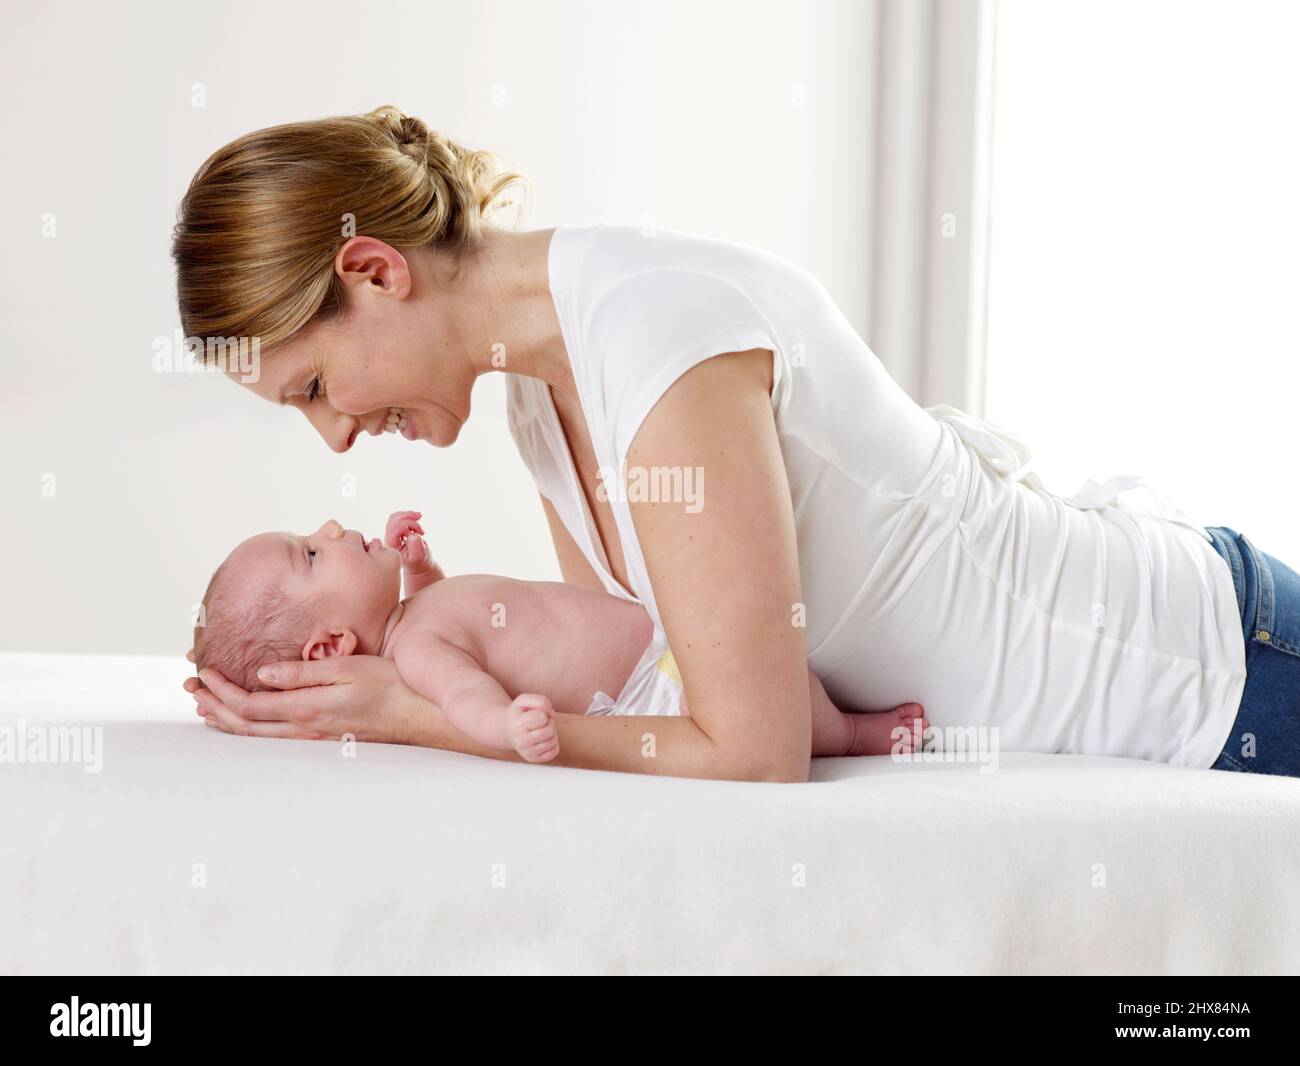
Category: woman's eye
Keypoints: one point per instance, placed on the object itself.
(311, 554)
(313, 390)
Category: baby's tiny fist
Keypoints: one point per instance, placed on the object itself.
(401, 524)
(415, 553)
(530, 724)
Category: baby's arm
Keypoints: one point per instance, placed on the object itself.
(473, 701)
(419, 571)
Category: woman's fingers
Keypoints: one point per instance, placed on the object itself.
(269, 730)
(302, 674)
(258, 719)
(253, 706)
(191, 684)
(361, 695)
(289, 706)
(213, 709)
(226, 691)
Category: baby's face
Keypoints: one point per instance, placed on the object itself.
(354, 583)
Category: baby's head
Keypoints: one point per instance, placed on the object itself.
(282, 596)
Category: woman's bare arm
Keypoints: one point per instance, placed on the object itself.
(365, 697)
(634, 744)
(726, 595)
(726, 580)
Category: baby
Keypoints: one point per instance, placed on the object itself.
(480, 647)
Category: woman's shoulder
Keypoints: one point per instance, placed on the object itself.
(656, 302)
(639, 299)
(606, 256)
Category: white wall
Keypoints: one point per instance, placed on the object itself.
(1144, 276)
(930, 149)
(742, 120)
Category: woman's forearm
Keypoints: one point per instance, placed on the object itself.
(429, 728)
(644, 744)
(670, 746)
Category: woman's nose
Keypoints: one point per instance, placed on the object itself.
(335, 429)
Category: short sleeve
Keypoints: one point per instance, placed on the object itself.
(650, 328)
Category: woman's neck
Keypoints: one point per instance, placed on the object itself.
(505, 292)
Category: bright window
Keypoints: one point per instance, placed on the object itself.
(1145, 252)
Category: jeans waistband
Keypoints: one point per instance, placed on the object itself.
(1251, 577)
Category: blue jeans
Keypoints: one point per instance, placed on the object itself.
(1265, 738)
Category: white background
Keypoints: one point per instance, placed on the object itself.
(1143, 272)
(740, 120)
(1145, 252)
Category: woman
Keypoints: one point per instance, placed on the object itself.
(709, 436)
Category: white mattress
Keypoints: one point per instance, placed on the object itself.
(404, 860)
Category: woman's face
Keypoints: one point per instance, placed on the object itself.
(346, 374)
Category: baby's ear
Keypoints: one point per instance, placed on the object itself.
(327, 644)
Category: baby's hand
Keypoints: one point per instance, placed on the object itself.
(403, 533)
(530, 725)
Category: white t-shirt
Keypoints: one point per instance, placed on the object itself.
(932, 568)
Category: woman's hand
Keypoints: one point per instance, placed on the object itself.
(361, 695)
(365, 696)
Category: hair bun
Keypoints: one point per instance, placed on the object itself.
(410, 134)
(413, 131)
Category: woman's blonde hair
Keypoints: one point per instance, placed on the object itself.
(265, 216)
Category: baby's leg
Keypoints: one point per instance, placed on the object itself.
(870, 733)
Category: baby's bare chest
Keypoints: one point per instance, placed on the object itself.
(562, 641)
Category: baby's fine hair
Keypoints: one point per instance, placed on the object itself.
(238, 637)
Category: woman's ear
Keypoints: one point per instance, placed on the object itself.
(365, 261)
(327, 644)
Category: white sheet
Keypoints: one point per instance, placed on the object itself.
(388, 862)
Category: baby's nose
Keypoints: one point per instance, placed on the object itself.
(333, 529)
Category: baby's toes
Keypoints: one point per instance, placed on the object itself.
(910, 713)
(911, 716)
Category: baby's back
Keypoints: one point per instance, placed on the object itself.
(562, 640)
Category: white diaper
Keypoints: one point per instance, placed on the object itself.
(654, 686)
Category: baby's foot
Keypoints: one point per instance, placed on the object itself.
(530, 725)
(882, 732)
